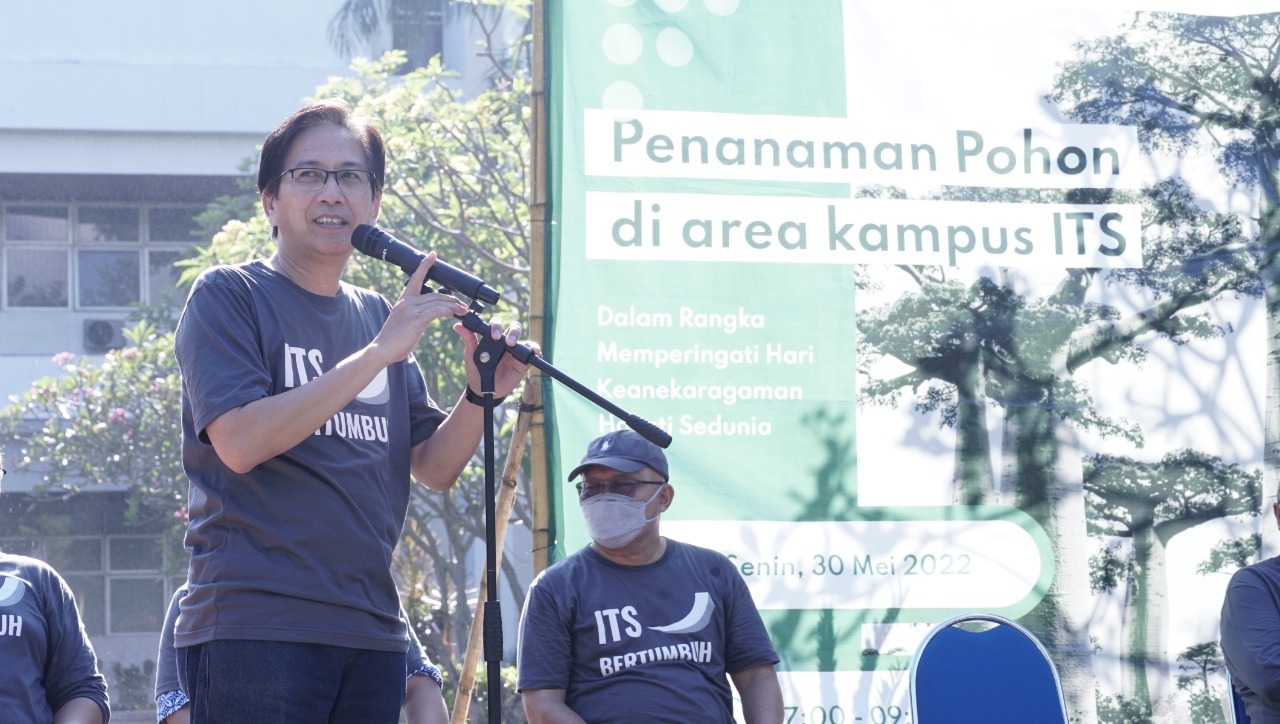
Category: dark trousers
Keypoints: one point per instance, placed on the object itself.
(272, 682)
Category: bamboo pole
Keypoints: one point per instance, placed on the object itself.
(538, 184)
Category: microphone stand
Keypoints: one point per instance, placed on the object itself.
(487, 356)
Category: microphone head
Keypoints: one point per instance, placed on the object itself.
(365, 238)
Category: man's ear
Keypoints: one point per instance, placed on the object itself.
(268, 206)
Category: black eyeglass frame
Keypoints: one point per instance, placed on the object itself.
(613, 486)
(365, 176)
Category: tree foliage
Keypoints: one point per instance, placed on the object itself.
(117, 421)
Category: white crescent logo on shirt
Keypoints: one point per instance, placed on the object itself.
(698, 616)
(376, 392)
(10, 591)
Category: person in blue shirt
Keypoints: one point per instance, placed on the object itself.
(305, 421)
(637, 627)
(1249, 632)
(48, 671)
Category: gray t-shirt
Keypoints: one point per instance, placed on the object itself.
(648, 643)
(299, 548)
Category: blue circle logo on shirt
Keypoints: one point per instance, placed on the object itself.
(11, 591)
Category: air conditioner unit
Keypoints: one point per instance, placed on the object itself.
(101, 335)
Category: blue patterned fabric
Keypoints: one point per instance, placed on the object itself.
(169, 702)
(429, 670)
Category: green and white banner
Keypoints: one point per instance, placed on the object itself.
(948, 307)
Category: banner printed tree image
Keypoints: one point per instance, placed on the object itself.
(1204, 660)
(1149, 503)
(972, 346)
(1192, 82)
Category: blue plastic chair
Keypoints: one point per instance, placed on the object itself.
(995, 671)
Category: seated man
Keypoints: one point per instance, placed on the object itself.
(1250, 636)
(48, 671)
(423, 701)
(637, 627)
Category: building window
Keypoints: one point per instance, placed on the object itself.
(118, 581)
(418, 29)
(92, 256)
(36, 262)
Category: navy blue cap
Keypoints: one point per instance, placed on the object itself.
(623, 450)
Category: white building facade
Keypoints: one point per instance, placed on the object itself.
(118, 121)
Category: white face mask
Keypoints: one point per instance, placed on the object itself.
(615, 520)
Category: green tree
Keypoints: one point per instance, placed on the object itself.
(1189, 82)
(1122, 711)
(414, 24)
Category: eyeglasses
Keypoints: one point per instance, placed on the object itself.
(589, 489)
(310, 179)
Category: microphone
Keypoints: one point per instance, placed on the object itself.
(375, 242)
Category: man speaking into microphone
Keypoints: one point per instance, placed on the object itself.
(304, 416)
